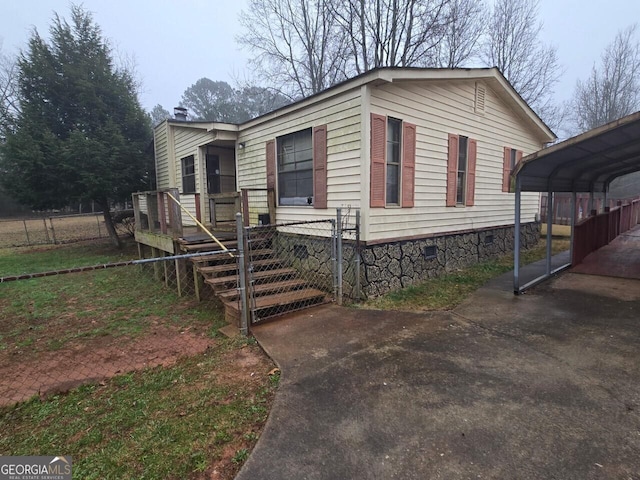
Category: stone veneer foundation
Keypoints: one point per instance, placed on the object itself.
(394, 265)
(397, 264)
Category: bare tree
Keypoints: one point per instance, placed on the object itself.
(296, 44)
(461, 40)
(9, 106)
(392, 33)
(513, 44)
(613, 88)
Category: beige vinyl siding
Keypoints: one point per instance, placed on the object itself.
(187, 142)
(341, 114)
(161, 156)
(438, 109)
(188, 202)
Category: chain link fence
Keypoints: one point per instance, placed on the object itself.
(290, 266)
(60, 329)
(348, 220)
(57, 229)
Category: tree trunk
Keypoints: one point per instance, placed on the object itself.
(108, 221)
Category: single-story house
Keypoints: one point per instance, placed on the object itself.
(425, 154)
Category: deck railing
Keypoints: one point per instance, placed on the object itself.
(223, 208)
(155, 212)
(258, 206)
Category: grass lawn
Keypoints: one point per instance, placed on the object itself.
(449, 290)
(197, 416)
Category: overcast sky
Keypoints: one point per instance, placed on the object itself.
(176, 42)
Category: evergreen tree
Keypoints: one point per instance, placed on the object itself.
(81, 133)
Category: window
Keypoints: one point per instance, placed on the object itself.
(461, 190)
(393, 162)
(394, 128)
(188, 174)
(461, 171)
(295, 168)
(513, 159)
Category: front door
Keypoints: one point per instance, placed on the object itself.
(213, 174)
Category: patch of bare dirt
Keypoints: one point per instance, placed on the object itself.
(55, 372)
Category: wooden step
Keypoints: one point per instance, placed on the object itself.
(226, 267)
(208, 246)
(281, 299)
(257, 276)
(202, 237)
(255, 243)
(265, 252)
(265, 288)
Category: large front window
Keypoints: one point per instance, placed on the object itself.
(394, 127)
(295, 168)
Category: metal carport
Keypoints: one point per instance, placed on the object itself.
(588, 162)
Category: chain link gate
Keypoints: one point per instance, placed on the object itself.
(290, 266)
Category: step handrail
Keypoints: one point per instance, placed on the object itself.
(201, 225)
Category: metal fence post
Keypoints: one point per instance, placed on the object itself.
(339, 253)
(244, 303)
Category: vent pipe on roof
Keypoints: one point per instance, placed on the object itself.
(180, 113)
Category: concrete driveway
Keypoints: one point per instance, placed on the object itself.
(540, 386)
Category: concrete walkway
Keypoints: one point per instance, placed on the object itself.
(539, 386)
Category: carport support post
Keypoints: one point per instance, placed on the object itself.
(550, 206)
(573, 222)
(516, 242)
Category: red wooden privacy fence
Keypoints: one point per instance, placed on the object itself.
(599, 230)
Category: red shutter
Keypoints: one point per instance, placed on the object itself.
(320, 166)
(471, 172)
(378, 160)
(506, 169)
(452, 170)
(408, 164)
(518, 156)
(271, 164)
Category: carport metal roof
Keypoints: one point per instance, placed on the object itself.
(585, 163)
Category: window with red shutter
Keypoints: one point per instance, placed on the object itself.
(271, 164)
(461, 170)
(295, 168)
(320, 167)
(471, 172)
(408, 164)
(378, 160)
(452, 170)
(511, 158)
